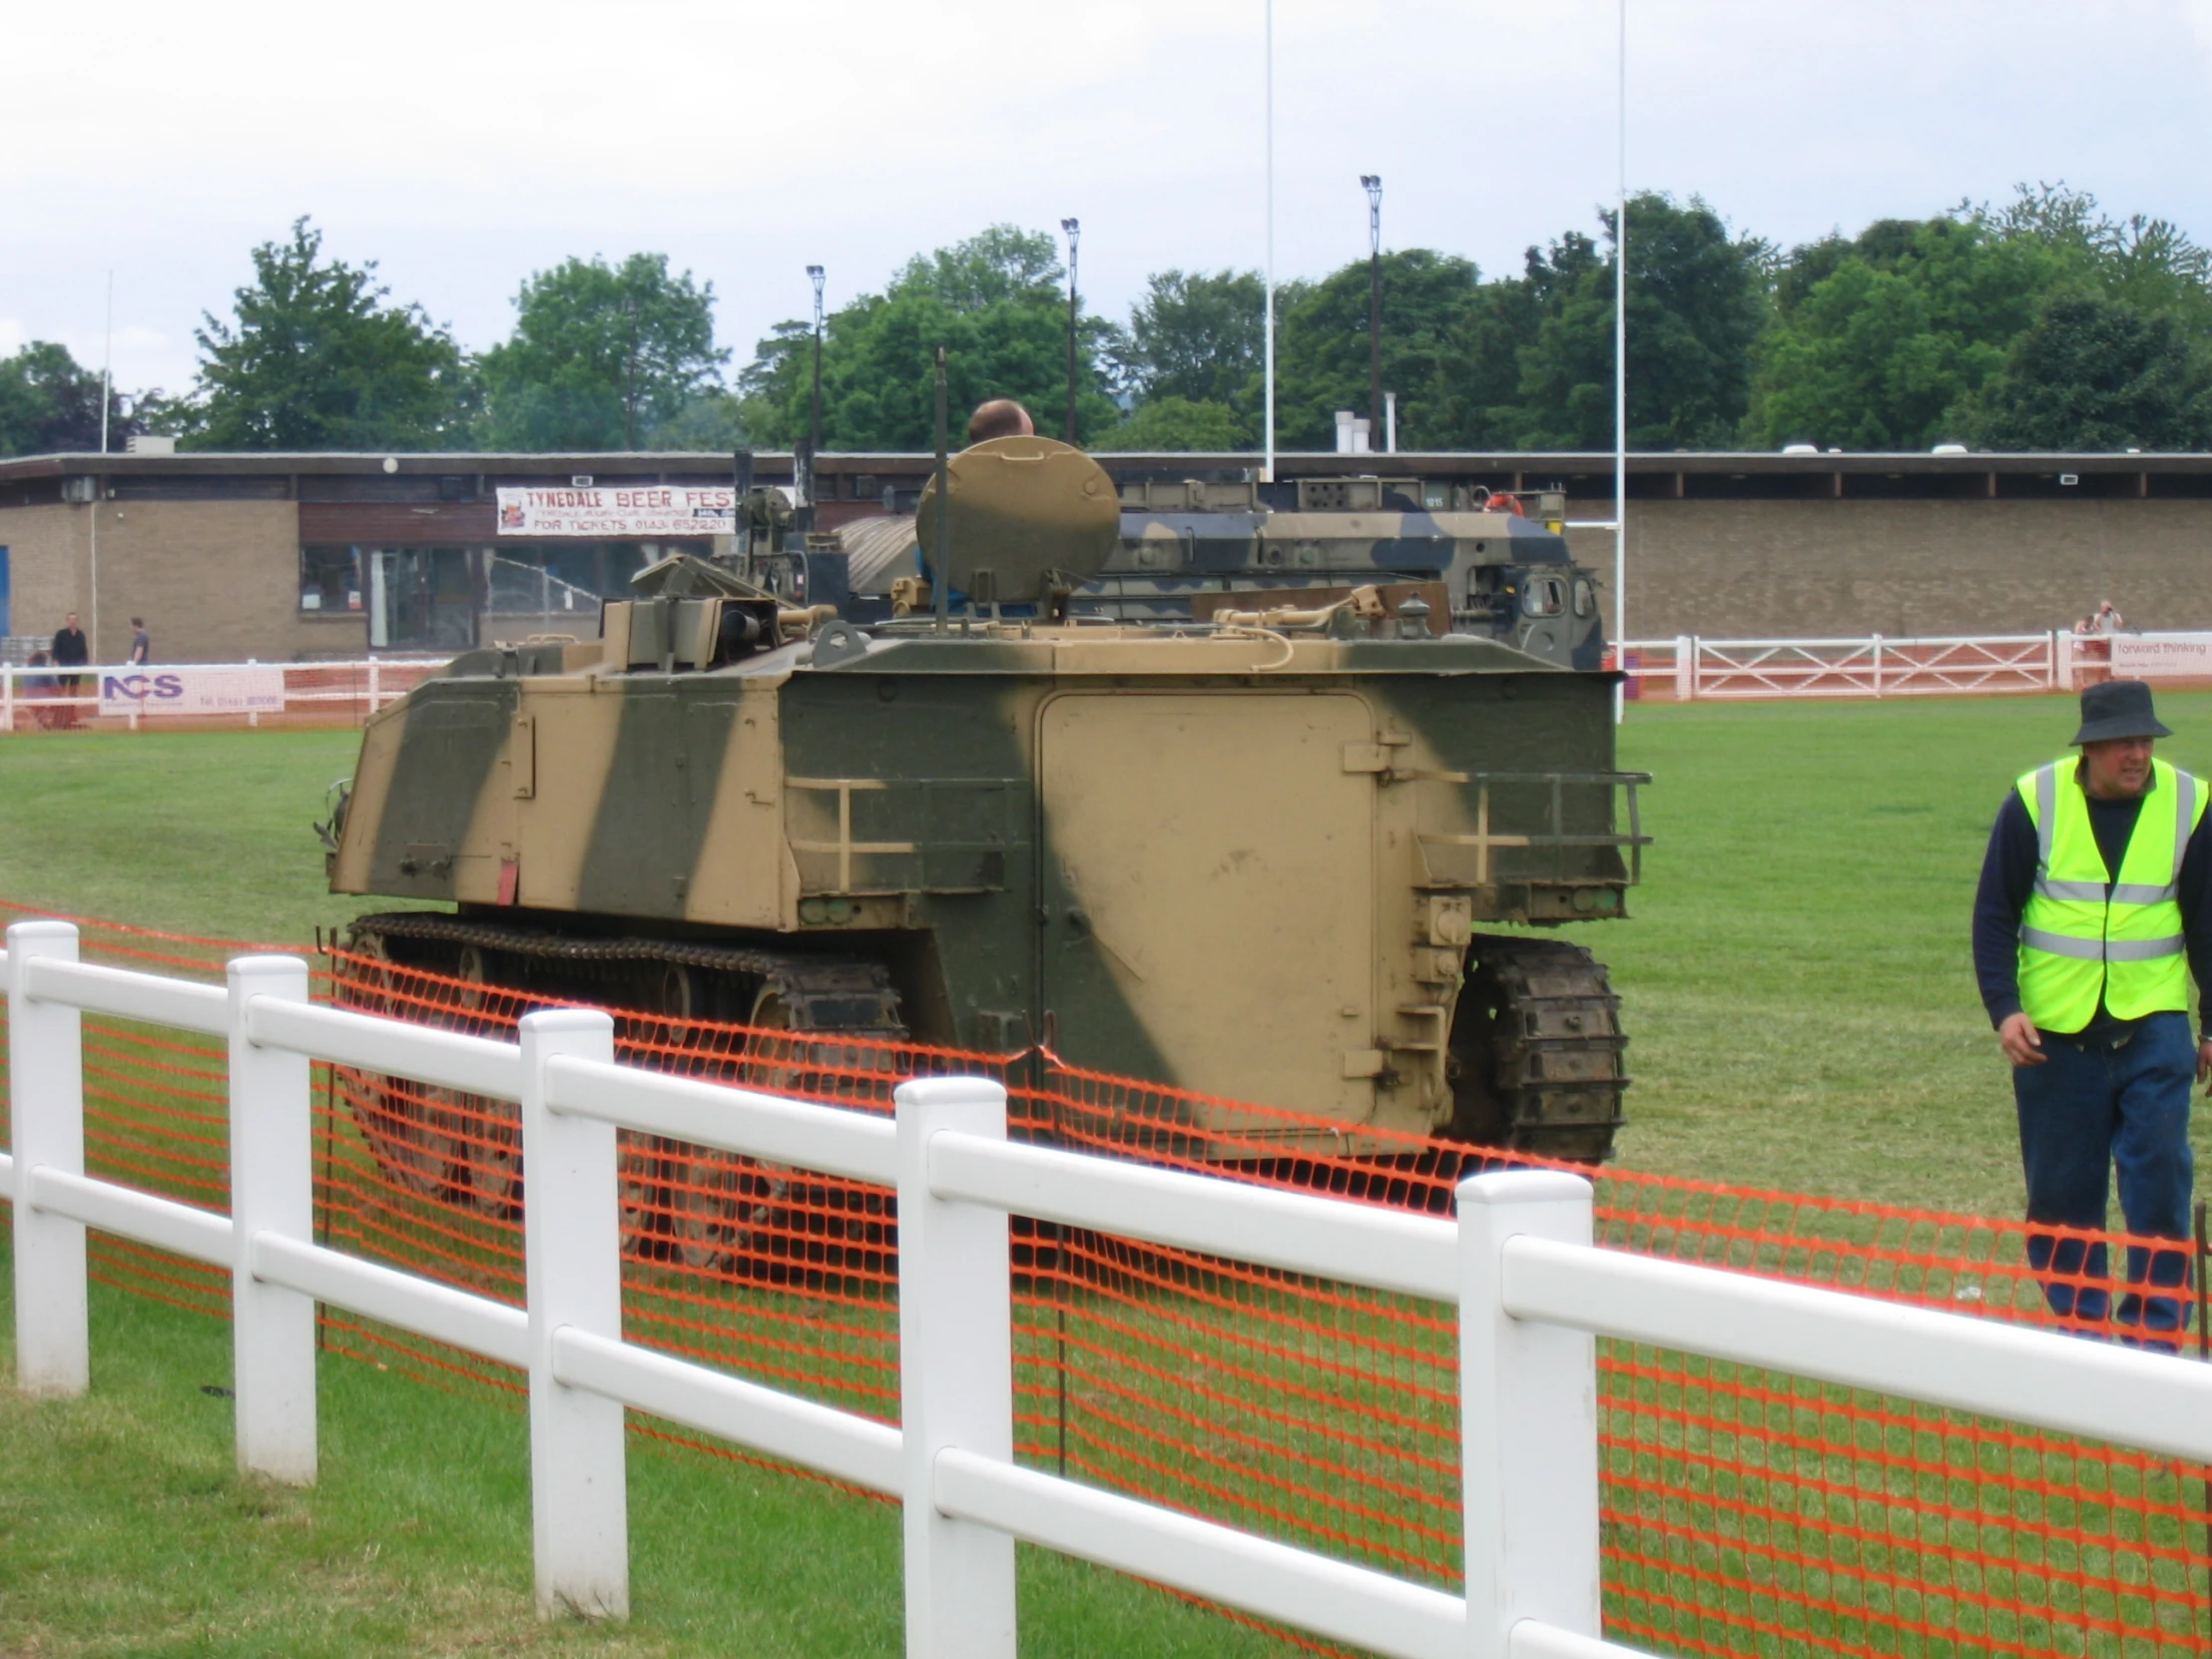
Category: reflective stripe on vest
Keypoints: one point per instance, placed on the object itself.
(2086, 936)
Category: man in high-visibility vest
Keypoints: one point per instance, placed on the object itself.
(2093, 914)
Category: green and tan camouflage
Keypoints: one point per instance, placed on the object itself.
(1505, 575)
(1190, 545)
(1250, 858)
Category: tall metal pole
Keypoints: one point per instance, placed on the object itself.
(814, 422)
(107, 395)
(1266, 466)
(107, 367)
(1620, 377)
(1073, 230)
(941, 567)
(1372, 183)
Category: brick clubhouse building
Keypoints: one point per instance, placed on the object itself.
(280, 557)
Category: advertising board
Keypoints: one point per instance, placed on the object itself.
(194, 691)
(610, 513)
(2163, 656)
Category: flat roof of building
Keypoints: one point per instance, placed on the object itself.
(854, 477)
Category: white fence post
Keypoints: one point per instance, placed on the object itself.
(46, 1106)
(7, 697)
(572, 1254)
(1685, 667)
(956, 1377)
(273, 1370)
(2062, 660)
(1529, 1423)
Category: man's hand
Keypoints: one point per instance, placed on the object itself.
(2204, 1062)
(2023, 1045)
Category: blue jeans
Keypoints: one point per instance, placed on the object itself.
(2084, 1112)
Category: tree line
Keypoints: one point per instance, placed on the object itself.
(2041, 322)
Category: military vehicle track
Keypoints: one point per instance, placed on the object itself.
(1536, 1051)
(817, 993)
(683, 1205)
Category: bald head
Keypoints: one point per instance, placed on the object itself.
(1001, 417)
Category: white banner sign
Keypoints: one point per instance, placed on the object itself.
(192, 691)
(2151, 655)
(625, 510)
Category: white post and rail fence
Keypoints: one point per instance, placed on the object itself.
(1688, 667)
(1532, 1293)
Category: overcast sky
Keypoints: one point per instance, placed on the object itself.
(465, 143)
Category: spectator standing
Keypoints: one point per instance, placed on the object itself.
(142, 643)
(70, 650)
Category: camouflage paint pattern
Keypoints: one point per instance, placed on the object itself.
(1243, 863)
(1508, 577)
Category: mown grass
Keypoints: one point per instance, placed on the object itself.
(125, 1529)
(1797, 974)
(1798, 986)
(206, 833)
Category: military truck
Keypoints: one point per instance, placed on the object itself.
(1252, 855)
(1189, 546)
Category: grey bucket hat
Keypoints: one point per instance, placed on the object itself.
(2118, 709)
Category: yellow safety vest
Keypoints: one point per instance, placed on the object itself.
(2086, 933)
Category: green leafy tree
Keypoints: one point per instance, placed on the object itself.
(993, 301)
(1478, 402)
(1322, 351)
(314, 358)
(1697, 300)
(603, 357)
(50, 403)
(1175, 425)
(2096, 373)
(1200, 341)
(1885, 345)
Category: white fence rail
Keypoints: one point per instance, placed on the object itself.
(1518, 1262)
(1690, 667)
(57, 699)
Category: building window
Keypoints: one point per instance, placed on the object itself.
(330, 580)
(422, 598)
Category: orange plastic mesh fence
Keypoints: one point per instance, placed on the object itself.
(1744, 1510)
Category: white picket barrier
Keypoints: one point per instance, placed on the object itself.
(1531, 1289)
(1691, 668)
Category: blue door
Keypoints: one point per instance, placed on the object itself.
(5, 630)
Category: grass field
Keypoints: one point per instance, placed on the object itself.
(124, 1529)
(1803, 1016)
(1797, 976)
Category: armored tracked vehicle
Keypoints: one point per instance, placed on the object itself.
(1191, 546)
(1251, 854)
(1488, 565)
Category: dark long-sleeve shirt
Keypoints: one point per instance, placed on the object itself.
(70, 648)
(2008, 879)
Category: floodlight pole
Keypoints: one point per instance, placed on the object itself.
(1372, 183)
(1072, 229)
(1266, 466)
(1620, 382)
(106, 384)
(814, 275)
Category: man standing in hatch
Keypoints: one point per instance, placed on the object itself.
(2097, 887)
